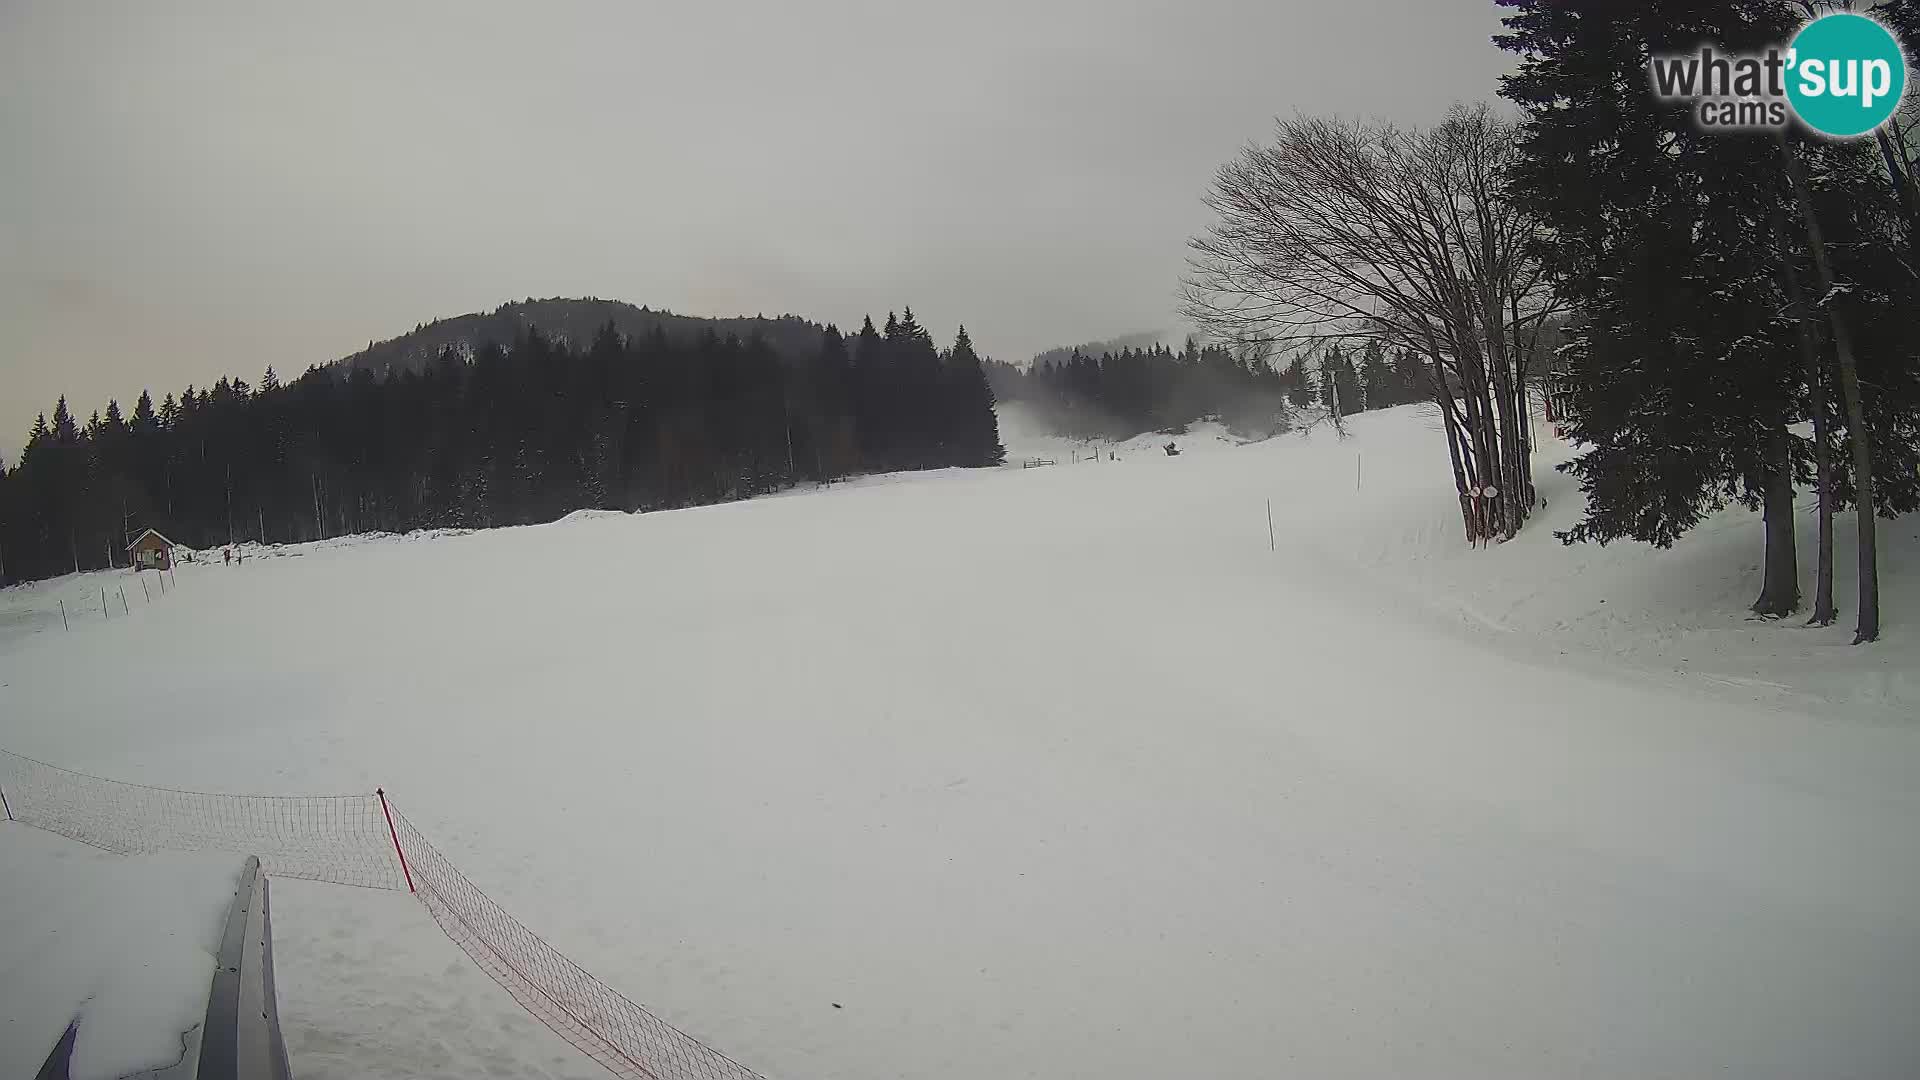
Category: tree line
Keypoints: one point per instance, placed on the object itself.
(1742, 302)
(1725, 317)
(1342, 387)
(506, 435)
(1118, 394)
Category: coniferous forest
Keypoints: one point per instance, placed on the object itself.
(507, 434)
(1743, 306)
(1119, 394)
(1718, 318)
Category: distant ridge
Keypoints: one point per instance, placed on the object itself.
(1145, 339)
(574, 321)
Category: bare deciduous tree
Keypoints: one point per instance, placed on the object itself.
(1356, 230)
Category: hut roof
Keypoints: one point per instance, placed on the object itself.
(144, 533)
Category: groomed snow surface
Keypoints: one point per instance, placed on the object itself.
(1062, 772)
(123, 946)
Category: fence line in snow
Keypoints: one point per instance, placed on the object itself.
(359, 840)
(337, 838)
(598, 1020)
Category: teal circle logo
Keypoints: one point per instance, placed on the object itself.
(1846, 76)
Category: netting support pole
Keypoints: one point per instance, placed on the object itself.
(395, 833)
(6, 804)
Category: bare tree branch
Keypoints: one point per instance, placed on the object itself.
(1343, 230)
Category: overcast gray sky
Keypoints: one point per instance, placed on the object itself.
(189, 189)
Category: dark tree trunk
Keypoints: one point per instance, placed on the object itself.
(1823, 609)
(1480, 441)
(1780, 586)
(1521, 357)
(1868, 627)
(1443, 397)
(1459, 473)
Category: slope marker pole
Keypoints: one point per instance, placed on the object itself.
(391, 831)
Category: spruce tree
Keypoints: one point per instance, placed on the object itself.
(969, 401)
(1340, 391)
(921, 437)
(65, 433)
(1300, 386)
(1410, 378)
(1682, 381)
(872, 401)
(832, 442)
(1377, 379)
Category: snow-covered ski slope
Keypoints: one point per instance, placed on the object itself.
(127, 945)
(1061, 772)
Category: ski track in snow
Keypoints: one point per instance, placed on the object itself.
(1062, 772)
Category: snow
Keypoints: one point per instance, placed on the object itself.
(1026, 437)
(92, 596)
(1676, 619)
(1063, 772)
(126, 945)
(368, 986)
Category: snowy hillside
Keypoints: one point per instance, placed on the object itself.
(1061, 772)
(1027, 439)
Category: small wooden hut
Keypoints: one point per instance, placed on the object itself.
(150, 551)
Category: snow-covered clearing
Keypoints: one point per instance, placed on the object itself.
(125, 946)
(1062, 772)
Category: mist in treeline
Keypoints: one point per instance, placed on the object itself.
(508, 435)
(1120, 394)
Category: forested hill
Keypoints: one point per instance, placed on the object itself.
(573, 322)
(1143, 341)
(499, 433)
